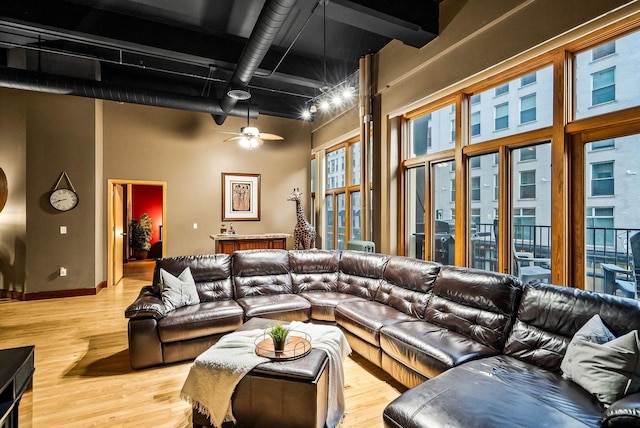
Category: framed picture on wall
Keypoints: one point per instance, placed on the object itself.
(240, 196)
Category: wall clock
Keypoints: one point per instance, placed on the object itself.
(4, 190)
(64, 199)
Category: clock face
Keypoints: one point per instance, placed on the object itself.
(63, 199)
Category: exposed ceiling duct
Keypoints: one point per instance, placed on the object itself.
(273, 15)
(54, 84)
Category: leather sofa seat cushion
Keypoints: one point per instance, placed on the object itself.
(549, 316)
(323, 304)
(364, 319)
(428, 348)
(494, 392)
(285, 307)
(200, 320)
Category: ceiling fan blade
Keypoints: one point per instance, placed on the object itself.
(227, 132)
(267, 136)
(237, 138)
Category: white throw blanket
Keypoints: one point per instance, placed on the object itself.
(216, 372)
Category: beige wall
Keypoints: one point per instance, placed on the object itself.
(183, 149)
(13, 219)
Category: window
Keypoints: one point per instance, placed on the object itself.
(335, 174)
(502, 116)
(502, 89)
(528, 153)
(475, 162)
(528, 79)
(415, 212)
(528, 184)
(356, 163)
(453, 213)
(475, 188)
(475, 219)
(452, 193)
(603, 144)
(496, 188)
(599, 222)
(475, 123)
(431, 132)
(524, 220)
(528, 108)
(602, 180)
(603, 50)
(496, 158)
(603, 86)
(475, 99)
(452, 127)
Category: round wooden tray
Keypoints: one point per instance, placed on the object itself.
(296, 347)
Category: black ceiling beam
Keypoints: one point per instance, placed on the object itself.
(415, 22)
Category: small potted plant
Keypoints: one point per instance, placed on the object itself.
(140, 236)
(279, 336)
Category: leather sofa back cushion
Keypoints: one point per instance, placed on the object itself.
(260, 262)
(314, 270)
(211, 273)
(406, 284)
(361, 273)
(475, 303)
(314, 261)
(549, 316)
(262, 285)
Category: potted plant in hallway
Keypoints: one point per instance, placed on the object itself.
(279, 336)
(140, 233)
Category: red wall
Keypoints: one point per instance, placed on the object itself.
(148, 199)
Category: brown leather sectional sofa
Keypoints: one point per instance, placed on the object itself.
(490, 348)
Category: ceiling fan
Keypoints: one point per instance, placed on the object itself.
(250, 137)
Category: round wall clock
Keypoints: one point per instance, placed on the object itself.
(4, 190)
(63, 199)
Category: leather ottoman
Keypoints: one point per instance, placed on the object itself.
(279, 393)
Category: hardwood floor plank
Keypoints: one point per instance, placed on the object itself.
(83, 378)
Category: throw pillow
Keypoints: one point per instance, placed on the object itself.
(607, 369)
(178, 292)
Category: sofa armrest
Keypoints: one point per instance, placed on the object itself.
(147, 305)
(623, 413)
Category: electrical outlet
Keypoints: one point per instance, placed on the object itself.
(195, 225)
(63, 271)
(63, 230)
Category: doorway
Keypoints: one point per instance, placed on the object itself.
(129, 200)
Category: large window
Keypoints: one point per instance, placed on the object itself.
(342, 207)
(483, 210)
(415, 212)
(432, 132)
(442, 243)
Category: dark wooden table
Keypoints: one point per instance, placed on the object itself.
(16, 372)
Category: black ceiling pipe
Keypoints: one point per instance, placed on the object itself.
(271, 18)
(41, 82)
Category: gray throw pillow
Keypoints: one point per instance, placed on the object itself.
(178, 292)
(609, 370)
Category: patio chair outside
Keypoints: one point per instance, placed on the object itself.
(618, 280)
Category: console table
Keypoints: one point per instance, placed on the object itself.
(227, 244)
(16, 372)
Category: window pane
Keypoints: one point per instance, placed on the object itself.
(604, 87)
(483, 208)
(443, 223)
(530, 106)
(611, 77)
(342, 221)
(355, 215)
(335, 169)
(313, 175)
(531, 211)
(329, 230)
(432, 132)
(612, 217)
(527, 153)
(502, 116)
(603, 144)
(415, 212)
(502, 89)
(355, 163)
(475, 99)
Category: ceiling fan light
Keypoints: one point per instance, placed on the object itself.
(251, 130)
(239, 94)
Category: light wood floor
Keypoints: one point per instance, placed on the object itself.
(83, 378)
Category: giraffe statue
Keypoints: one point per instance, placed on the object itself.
(304, 235)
